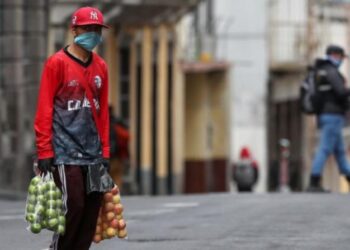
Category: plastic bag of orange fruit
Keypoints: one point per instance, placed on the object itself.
(110, 222)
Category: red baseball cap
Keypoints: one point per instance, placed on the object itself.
(87, 16)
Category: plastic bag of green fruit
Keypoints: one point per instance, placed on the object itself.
(44, 207)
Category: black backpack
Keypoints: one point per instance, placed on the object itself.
(310, 97)
(244, 173)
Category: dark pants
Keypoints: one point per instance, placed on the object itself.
(82, 210)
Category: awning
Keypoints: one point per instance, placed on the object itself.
(204, 67)
(131, 12)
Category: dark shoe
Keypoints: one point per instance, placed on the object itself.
(315, 185)
(348, 179)
(312, 189)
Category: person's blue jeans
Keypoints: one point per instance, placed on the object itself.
(331, 142)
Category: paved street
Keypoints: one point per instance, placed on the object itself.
(215, 221)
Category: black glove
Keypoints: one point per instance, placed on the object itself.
(106, 164)
(45, 165)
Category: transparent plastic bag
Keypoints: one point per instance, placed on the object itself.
(111, 222)
(44, 206)
(98, 179)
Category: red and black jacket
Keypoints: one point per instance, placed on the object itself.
(64, 124)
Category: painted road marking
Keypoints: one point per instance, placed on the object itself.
(12, 217)
(151, 212)
(169, 208)
(181, 204)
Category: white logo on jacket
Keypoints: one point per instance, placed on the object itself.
(98, 81)
(73, 105)
(73, 83)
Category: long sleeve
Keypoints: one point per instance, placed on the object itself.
(337, 83)
(43, 118)
(104, 117)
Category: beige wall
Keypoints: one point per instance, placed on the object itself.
(144, 36)
(196, 118)
(206, 119)
(178, 115)
(132, 107)
(112, 59)
(199, 104)
(146, 108)
(219, 111)
(162, 107)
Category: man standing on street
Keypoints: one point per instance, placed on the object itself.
(331, 116)
(72, 132)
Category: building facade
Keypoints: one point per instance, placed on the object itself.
(299, 32)
(172, 115)
(236, 32)
(176, 107)
(23, 32)
(242, 30)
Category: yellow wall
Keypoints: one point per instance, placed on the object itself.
(178, 115)
(132, 106)
(199, 104)
(219, 102)
(111, 56)
(162, 107)
(196, 118)
(146, 108)
(206, 120)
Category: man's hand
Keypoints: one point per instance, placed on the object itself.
(45, 165)
(106, 164)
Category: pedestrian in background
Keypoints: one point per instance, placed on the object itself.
(330, 84)
(119, 147)
(72, 126)
(113, 140)
(245, 171)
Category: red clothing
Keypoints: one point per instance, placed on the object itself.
(123, 138)
(245, 154)
(64, 125)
